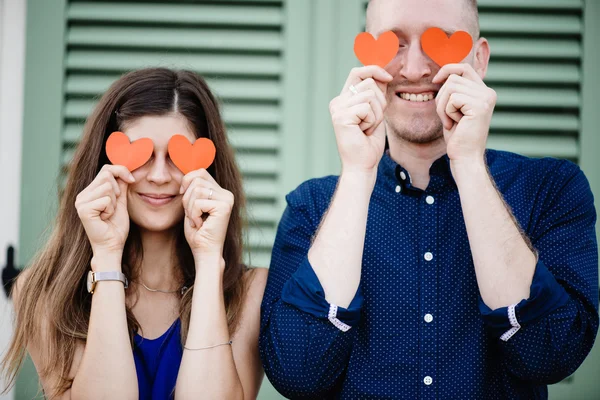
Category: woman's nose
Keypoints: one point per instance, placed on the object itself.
(159, 171)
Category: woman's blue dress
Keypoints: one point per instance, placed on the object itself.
(157, 363)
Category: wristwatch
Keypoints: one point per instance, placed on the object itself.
(94, 277)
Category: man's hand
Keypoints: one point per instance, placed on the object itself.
(357, 118)
(465, 105)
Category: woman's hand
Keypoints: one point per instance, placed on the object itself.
(102, 208)
(207, 209)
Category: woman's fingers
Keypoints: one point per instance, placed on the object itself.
(196, 193)
(200, 207)
(191, 176)
(99, 207)
(105, 189)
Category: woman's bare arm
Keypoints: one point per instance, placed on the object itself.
(107, 369)
(221, 372)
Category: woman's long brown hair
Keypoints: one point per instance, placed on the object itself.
(56, 288)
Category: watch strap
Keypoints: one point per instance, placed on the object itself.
(111, 276)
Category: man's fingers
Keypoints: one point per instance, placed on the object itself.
(359, 74)
(455, 104)
(449, 88)
(370, 84)
(369, 96)
(462, 69)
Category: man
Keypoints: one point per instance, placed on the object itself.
(434, 268)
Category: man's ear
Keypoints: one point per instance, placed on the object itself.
(482, 57)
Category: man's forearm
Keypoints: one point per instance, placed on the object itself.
(504, 262)
(336, 253)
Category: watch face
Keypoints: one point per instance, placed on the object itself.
(89, 281)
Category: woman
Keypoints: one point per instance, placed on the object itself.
(187, 324)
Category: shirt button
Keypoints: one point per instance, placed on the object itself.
(428, 318)
(402, 175)
(428, 256)
(398, 189)
(428, 381)
(429, 199)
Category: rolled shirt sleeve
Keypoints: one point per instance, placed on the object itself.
(546, 337)
(303, 347)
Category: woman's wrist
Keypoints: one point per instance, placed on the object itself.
(209, 260)
(106, 262)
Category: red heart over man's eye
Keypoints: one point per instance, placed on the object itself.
(380, 51)
(446, 50)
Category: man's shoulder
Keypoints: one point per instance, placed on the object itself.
(315, 191)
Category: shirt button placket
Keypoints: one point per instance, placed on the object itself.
(429, 284)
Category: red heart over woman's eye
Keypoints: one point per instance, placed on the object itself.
(190, 157)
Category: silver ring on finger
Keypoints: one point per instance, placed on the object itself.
(353, 89)
(210, 194)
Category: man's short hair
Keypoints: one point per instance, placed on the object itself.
(470, 5)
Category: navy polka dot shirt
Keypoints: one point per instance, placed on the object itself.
(417, 326)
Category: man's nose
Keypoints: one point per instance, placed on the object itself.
(416, 65)
(159, 169)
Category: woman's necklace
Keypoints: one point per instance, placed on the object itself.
(182, 290)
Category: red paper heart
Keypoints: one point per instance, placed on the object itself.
(446, 50)
(188, 157)
(380, 51)
(132, 155)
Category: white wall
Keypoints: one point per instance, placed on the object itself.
(12, 57)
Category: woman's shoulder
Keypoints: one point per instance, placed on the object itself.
(17, 287)
(255, 279)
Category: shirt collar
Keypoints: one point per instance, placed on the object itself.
(393, 175)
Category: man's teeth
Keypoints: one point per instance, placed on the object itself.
(417, 97)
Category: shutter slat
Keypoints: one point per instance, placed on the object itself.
(257, 258)
(520, 72)
(225, 89)
(537, 97)
(263, 164)
(177, 14)
(532, 4)
(261, 213)
(216, 64)
(545, 48)
(505, 23)
(261, 238)
(536, 146)
(246, 114)
(175, 38)
(520, 122)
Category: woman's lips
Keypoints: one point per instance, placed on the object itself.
(155, 201)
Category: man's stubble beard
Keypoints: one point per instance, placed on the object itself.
(419, 131)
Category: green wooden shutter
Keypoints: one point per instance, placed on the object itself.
(535, 68)
(236, 46)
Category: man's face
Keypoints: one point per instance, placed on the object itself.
(411, 112)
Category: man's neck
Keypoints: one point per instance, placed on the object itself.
(416, 157)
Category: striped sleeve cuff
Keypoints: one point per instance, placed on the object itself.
(304, 291)
(512, 318)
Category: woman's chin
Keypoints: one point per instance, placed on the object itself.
(156, 225)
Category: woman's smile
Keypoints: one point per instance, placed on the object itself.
(156, 199)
